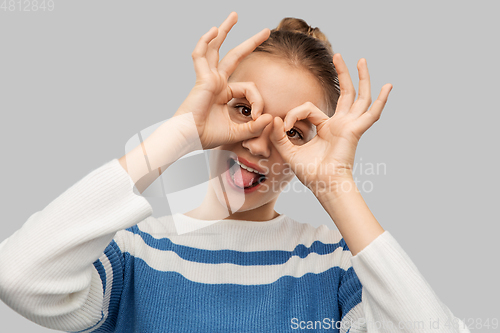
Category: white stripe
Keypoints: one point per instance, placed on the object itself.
(284, 237)
(354, 320)
(168, 261)
(107, 293)
(109, 284)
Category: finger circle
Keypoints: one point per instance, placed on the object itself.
(281, 141)
(305, 111)
(249, 91)
(250, 129)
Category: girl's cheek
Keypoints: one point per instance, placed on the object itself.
(265, 169)
(286, 173)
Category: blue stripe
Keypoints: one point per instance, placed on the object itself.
(181, 305)
(102, 317)
(115, 257)
(102, 273)
(253, 258)
(350, 291)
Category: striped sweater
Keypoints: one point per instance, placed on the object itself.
(95, 260)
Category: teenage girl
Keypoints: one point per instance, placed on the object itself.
(279, 105)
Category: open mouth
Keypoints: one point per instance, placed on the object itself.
(249, 179)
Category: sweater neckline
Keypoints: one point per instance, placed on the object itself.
(267, 223)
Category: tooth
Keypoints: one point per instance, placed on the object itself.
(247, 167)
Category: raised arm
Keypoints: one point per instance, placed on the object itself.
(54, 269)
(393, 290)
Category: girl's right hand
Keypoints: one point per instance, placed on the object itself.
(208, 100)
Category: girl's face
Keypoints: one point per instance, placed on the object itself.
(282, 88)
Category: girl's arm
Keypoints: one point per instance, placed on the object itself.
(50, 272)
(393, 290)
(350, 213)
(47, 267)
(395, 295)
(171, 140)
(47, 272)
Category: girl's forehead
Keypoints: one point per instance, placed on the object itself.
(281, 85)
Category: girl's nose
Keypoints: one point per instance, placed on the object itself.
(260, 145)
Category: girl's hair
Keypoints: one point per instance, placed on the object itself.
(303, 46)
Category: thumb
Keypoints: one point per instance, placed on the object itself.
(280, 140)
(250, 129)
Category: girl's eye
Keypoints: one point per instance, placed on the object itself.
(294, 134)
(246, 111)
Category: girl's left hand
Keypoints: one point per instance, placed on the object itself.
(329, 157)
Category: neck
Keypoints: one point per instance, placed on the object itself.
(212, 209)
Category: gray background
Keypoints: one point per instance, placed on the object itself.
(78, 82)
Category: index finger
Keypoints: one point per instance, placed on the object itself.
(249, 91)
(307, 111)
(229, 63)
(215, 44)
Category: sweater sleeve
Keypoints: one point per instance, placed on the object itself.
(395, 295)
(53, 269)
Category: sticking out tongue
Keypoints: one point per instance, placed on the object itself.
(244, 178)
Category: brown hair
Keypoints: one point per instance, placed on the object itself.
(303, 46)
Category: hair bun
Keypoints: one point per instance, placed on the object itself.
(299, 25)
